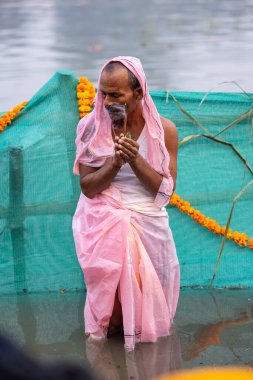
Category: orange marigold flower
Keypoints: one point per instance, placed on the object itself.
(196, 214)
(242, 242)
(236, 236)
(222, 230)
(217, 229)
(7, 118)
(201, 219)
(184, 207)
(191, 211)
(244, 236)
(251, 243)
(83, 80)
(83, 102)
(174, 199)
(80, 87)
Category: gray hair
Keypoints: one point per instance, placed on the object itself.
(133, 81)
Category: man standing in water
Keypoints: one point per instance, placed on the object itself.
(127, 162)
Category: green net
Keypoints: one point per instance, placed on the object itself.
(39, 192)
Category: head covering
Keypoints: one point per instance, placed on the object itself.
(94, 137)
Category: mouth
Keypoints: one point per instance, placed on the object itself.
(116, 111)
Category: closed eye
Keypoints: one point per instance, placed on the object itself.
(112, 94)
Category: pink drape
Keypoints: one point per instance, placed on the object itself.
(121, 249)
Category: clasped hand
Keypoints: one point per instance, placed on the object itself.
(126, 149)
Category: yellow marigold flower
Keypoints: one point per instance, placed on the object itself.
(83, 102)
(79, 94)
(84, 108)
(87, 95)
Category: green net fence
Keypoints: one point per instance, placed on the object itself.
(39, 192)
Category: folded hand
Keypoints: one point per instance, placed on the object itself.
(126, 148)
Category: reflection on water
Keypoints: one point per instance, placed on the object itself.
(111, 361)
(184, 45)
(212, 328)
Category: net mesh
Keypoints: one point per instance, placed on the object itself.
(39, 192)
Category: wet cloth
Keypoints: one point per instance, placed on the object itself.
(116, 246)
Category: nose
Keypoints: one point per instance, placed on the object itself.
(106, 100)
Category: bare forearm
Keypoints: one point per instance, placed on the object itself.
(94, 183)
(146, 174)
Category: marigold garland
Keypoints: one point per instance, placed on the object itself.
(6, 118)
(239, 238)
(85, 92)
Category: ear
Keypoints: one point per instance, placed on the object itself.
(139, 93)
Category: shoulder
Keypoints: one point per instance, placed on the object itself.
(170, 131)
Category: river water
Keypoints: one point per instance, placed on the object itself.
(212, 328)
(184, 45)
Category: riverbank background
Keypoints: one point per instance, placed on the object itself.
(184, 45)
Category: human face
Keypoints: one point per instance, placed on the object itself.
(115, 89)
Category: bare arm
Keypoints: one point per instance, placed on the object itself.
(171, 143)
(94, 180)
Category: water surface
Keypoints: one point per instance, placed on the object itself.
(184, 45)
(211, 329)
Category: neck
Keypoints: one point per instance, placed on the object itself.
(135, 119)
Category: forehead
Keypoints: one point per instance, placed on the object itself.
(118, 79)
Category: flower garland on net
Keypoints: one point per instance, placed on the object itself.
(239, 238)
(85, 95)
(6, 118)
(85, 92)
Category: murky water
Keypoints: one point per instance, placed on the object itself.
(211, 328)
(184, 45)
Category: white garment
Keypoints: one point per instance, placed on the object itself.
(133, 193)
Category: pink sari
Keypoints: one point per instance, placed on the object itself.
(115, 246)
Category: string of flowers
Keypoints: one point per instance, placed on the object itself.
(85, 94)
(239, 238)
(6, 118)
